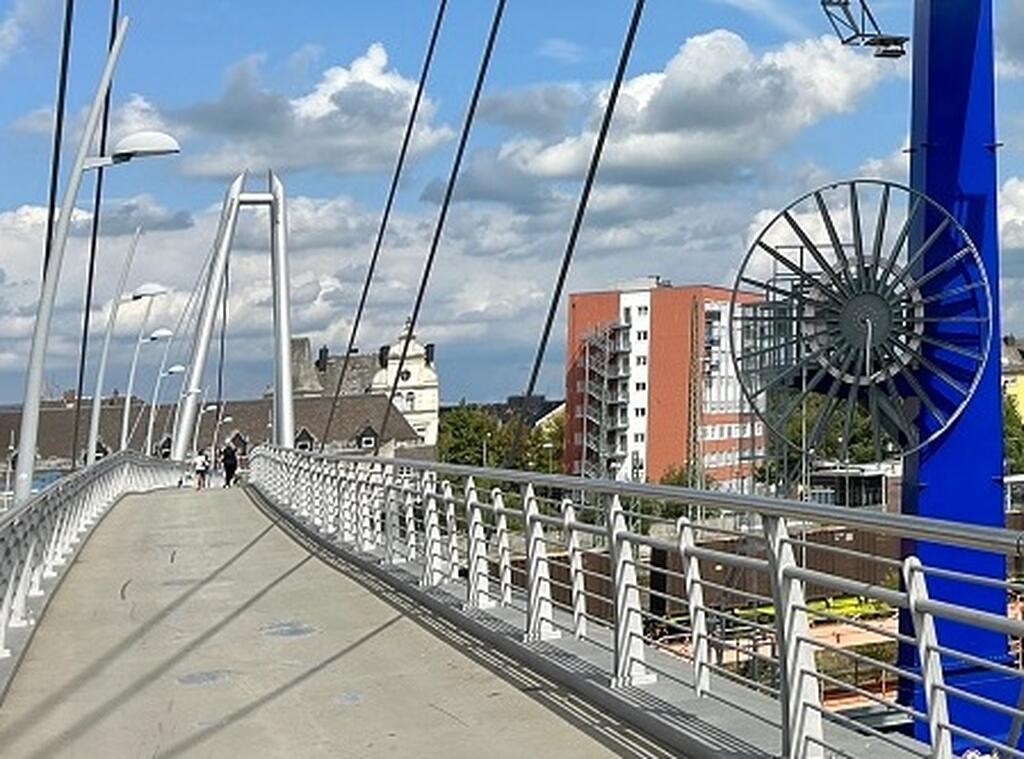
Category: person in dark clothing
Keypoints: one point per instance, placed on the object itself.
(230, 461)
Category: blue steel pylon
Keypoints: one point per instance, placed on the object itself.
(959, 477)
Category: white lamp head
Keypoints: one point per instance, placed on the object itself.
(148, 290)
(145, 143)
(227, 419)
(161, 334)
(176, 369)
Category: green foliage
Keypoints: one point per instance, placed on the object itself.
(1013, 436)
(468, 432)
(687, 476)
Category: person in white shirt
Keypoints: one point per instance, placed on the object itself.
(202, 467)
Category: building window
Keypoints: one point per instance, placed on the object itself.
(641, 360)
(366, 441)
(410, 401)
(641, 310)
(625, 316)
(641, 386)
(638, 437)
(641, 334)
(640, 411)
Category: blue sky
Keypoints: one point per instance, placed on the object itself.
(732, 107)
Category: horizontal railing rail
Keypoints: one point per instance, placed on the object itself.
(796, 602)
(39, 537)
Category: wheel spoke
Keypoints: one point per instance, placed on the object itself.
(946, 293)
(830, 398)
(851, 404)
(951, 347)
(789, 372)
(858, 239)
(876, 252)
(901, 238)
(876, 427)
(833, 237)
(918, 255)
(933, 368)
(816, 254)
(818, 376)
(945, 264)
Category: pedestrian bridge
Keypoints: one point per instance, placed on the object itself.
(360, 607)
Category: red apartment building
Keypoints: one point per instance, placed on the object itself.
(650, 386)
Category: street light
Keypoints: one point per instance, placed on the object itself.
(176, 369)
(143, 144)
(216, 432)
(148, 291)
(549, 447)
(199, 423)
(160, 334)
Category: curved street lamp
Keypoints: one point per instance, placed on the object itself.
(149, 291)
(143, 144)
(176, 369)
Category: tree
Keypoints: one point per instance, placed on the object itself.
(464, 432)
(1013, 436)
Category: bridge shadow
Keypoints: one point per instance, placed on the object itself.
(110, 705)
(64, 692)
(617, 735)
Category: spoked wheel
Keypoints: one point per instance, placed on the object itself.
(861, 310)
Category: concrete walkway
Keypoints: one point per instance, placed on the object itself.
(192, 626)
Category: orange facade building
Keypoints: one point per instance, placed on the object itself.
(650, 387)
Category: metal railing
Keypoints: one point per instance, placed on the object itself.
(39, 537)
(801, 611)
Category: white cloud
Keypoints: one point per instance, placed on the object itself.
(716, 109)
(22, 18)
(352, 120)
(560, 50)
(894, 167)
(1010, 39)
(782, 18)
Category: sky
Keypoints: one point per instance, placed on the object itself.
(730, 108)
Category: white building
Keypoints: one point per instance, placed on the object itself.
(418, 396)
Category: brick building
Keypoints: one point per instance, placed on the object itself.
(650, 387)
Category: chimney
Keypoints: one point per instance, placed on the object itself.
(321, 359)
(382, 356)
(428, 351)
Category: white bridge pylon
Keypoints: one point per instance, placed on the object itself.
(213, 291)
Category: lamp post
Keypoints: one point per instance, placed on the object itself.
(176, 369)
(97, 396)
(155, 291)
(199, 423)
(141, 144)
(216, 431)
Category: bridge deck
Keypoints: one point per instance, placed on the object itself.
(191, 625)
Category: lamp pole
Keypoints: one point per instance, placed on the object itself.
(142, 144)
(126, 413)
(176, 369)
(97, 396)
(41, 331)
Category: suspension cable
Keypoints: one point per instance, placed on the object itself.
(90, 278)
(577, 224)
(385, 217)
(485, 63)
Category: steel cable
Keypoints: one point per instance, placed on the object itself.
(577, 224)
(90, 278)
(485, 63)
(385, 216)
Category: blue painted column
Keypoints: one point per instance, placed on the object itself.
(959, 477)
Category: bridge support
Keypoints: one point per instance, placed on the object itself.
(953, 160)
(213, 291)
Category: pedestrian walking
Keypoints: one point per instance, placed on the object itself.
(229, 459)
(202, 467)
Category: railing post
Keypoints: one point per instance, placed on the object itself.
(409, 517)
(798, 686)
(391, 489)
(433, 561)
(19, 606)
(5, 606)
(451, 521)
(630, 659)
(478, 583)
(504, 549)
(695, 605)
(349, 502)
(931, 661)
(334, 513)
(539, 611)
(377, 504)
(577, 579)
(365, 518)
